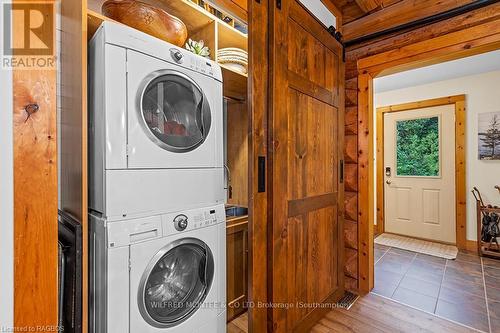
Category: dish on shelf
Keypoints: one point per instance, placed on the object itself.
(148, 19)
(236, 67)
(233, 58)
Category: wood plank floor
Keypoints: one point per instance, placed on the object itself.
(372, 314)
(238, 324)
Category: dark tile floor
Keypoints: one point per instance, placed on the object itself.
(452, 289)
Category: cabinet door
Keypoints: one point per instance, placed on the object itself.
(237, 270)
(306, 136)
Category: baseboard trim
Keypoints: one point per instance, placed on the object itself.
(471, 245)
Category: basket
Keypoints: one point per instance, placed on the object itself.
(487, 217)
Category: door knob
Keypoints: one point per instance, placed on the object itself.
(388, 182)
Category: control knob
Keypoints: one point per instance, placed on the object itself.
(180, 222)
(176, 55)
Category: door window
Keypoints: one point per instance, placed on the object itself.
(417, 147)
(176, 283)
(175, 111)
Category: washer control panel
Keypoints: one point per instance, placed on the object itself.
(193, 219)
(202, 65)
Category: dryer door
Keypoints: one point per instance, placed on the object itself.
(174, 116)
(175, 111)
(176, 282)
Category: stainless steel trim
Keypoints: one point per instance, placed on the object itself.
(98, 275)
(142, 284)
(142, 89)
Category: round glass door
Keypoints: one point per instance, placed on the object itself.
(175, 111)
(176, 282)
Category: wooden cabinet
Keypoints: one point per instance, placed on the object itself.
(237, 266)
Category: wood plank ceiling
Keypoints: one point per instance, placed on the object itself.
(363, 17)
(355, 9)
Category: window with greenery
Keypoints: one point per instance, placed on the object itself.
(417, 147)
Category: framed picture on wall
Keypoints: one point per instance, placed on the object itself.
(489, 136)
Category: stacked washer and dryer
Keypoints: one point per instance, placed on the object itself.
(156, 187)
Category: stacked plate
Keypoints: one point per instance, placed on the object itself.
(233, 58)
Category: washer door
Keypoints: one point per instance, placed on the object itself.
(175, 111)
(176, 282)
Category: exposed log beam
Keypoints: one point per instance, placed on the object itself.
(399, 13)
(368, 5)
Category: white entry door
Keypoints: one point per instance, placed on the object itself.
(419, 173)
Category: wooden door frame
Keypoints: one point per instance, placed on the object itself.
(460, 155)
(470, 41)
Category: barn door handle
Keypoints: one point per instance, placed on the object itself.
(278, 4)
(261, 174)
(341, 171)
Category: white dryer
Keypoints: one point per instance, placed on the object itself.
(156, 126)
(160, 274)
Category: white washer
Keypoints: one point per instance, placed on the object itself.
(160, 274)
(156, 126)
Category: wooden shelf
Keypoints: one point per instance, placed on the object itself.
(230, 37)
(235, 83)
(94, 20)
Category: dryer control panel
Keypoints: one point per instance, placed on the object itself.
(192, 219)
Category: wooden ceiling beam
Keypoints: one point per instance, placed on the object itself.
(397, 14)
(368, 5)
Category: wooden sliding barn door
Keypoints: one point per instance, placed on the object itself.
(306, 128)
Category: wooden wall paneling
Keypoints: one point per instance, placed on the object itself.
(351, 148)
(397, 14)
(365, 182)
(258, 47)
(351, 97)
(351, 167)
(35, 182)
(351, 235)
(351, 206)
(73, 150)
(351, 284)
(351, 177)
(351, 120)
(237, 152)
(351, 262)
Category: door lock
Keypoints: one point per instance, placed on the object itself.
(388, 182)
(388, 171)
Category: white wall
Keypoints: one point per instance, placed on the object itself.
(6, 195)
(482, 95)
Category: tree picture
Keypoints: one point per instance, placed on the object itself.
(489, 136)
